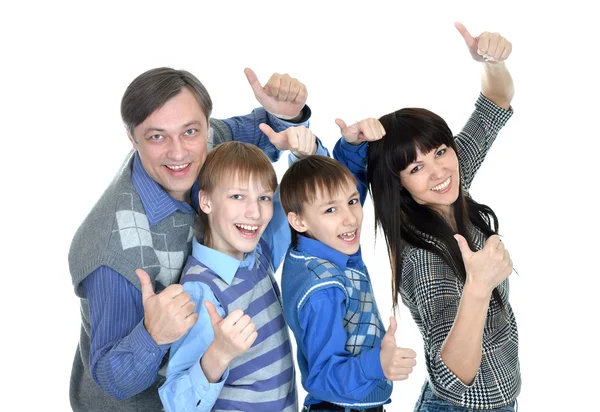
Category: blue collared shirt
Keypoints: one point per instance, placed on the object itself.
(124, 359)
(335, 374)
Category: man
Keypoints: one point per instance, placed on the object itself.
(144, 220)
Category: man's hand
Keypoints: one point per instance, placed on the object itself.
(283, 96)
(367, 130)
(170, 314)
(299, 139)
(487, 47)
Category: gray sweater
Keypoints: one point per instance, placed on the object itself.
(116, 234)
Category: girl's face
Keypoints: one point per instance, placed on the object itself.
(433, 179)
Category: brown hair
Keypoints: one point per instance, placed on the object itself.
(307, 177)
(226, 162)
(152, 89)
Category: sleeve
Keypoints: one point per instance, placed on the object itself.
(478, 135)
(437, 302)
(354, 157)
(124, 359)
(186, 387)
(245, 129)
(334, 374)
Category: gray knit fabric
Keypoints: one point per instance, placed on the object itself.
(117, 234)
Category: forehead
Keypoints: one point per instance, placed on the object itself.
(179, 110)
(236, 181)
(345, 190)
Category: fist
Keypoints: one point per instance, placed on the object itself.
(488, 47)
(367, 130)
(299, 139)
(282, 96)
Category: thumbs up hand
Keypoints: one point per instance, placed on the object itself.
(282, 96)
(397, 363)
(234, 335)
(486, 268)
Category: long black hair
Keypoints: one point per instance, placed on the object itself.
(400, 217)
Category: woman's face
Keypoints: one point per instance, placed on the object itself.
(433, 179)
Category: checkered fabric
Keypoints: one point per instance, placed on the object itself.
(432, 293)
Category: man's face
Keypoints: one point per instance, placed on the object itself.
(238, 214)
(172, 144)
(333, 219)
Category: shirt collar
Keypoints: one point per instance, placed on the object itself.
(157, 203)
(319, 249)
(222, 264)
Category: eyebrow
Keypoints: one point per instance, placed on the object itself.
(158, 129)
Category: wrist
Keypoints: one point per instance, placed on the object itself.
(476, 291)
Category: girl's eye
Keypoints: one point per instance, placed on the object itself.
(416, 169)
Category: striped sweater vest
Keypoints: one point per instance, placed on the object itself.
(263, 378)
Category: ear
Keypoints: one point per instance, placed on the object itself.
(131, 138)
(204, 201)
(297, 223)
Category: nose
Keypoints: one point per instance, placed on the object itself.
(177, 149)
(252, 210)
(349, 218)
(438, 171)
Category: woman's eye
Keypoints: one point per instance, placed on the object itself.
(416, 169)
(441, 152)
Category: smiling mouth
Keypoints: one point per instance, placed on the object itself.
(177, 168)
(442, 186)
(247, 231)
(348, 236)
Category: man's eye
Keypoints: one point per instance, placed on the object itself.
(157, 137)
(191, 132)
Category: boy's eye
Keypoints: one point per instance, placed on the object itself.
(330, 210)
(353, 202)
(265, 198)
(237, 197)
(416, 169)
(190, 132)
(440, 153)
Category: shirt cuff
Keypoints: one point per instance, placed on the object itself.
(496, 116)
(447, 379)
(143, 342)
(303, 121)
(370, 362)
(204, 389)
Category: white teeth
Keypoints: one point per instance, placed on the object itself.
(177, 167)
(441, 186)
(247, 227)
(348, 235)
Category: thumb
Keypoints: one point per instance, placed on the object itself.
(254, 83)
(267, 130)
(147, 289)
(392, 329)
(465, 34)
(214, 316)
(465, 251)
(341, 124)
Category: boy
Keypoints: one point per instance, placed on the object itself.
(346, 359)
(238, 355)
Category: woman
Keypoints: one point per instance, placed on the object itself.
(419, 175)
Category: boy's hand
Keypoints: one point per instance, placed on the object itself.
(299, 139)
(367, 130)
(397, 363)
(234, 335)
(487, 47)
(170, 314)
(282, 96)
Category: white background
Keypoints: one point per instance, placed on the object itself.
(65, 67)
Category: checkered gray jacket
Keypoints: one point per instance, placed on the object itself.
(432, 293)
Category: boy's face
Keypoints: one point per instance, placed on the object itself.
(333, 219)
(238, 213)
